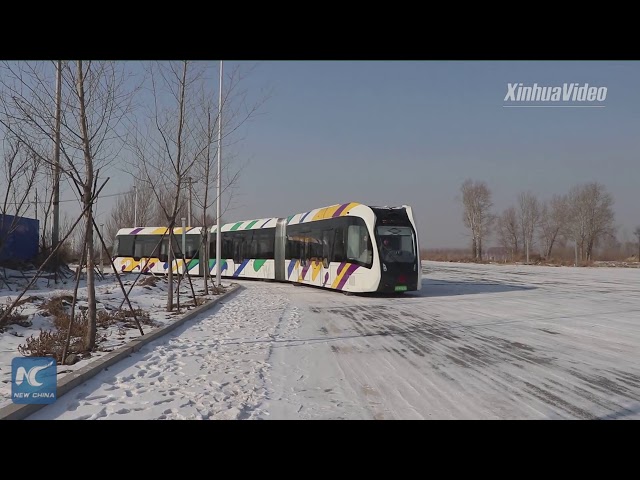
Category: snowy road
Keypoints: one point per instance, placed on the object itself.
(479, 341)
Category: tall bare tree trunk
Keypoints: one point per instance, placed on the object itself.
(590, 249)
(204, 253)
(55, 232)
(476, 199)
(87, 200)
(170, 272)
(550, 247)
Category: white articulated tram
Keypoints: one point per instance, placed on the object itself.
(349, 247)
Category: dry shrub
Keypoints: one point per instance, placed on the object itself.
(15, 316)
(59, 308)
(534, 258)
(49, 344)
(79, 327)
(142, 316)
(106, 318)
(56, 306)
(149, 280)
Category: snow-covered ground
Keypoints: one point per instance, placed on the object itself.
(150, 298)
(478, 341)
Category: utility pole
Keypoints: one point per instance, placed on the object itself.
(101, 249)
(184, 246)
(135, 206)
(35, 205)
(190, 200)
(55, 225)
(218, 189)
(576, 248)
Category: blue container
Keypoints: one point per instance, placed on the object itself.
(19, 240)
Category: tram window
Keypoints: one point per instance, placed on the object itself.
(256, 245)
(261, 249)
(359, 245)
(338, 246)
(292, 248)
(268, 244)
(251, 239)
(227, 246)
(164, 249)
(239, 246)
(326, 244)
(124, 246)
(137, 248)
(306, 259)
(315, 245)
(146, 246)
(192, 246)
(265, 243)
(164, 254)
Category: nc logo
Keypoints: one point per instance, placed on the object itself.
(34, 380)
(30, 376)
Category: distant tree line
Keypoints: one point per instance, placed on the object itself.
(583, 217)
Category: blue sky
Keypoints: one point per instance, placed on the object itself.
(397, 132)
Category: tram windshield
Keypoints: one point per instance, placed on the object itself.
(397, 244)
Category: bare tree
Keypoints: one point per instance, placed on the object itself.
(591, 217)
(553, 222)
(123, 213)
(72, 247)
(476, 200)
(611, 248)
(166, 146)
(162, 202)
(20, 170)
(529, 216)
(96, 98)
(238, 110)
(44, 208)
(509, 232)
(636, 232)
